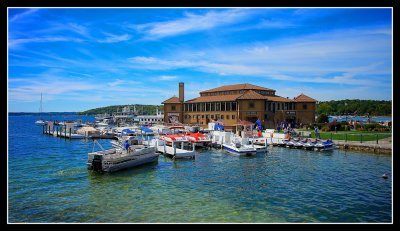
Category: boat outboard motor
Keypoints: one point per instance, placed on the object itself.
(238, 145)
(97, 163)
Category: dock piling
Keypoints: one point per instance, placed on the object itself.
(70, 132)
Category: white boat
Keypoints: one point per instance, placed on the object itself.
(239, 146)
(40, 122)
(174, 145)
(239, 149)
(199, 139)
(259, 143)
(291, 142)
(310, 145)
(324, 145)
(115, 159)
(300, 143)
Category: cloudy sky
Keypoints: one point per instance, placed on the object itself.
(83, 58)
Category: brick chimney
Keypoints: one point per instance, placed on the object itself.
(181, 92)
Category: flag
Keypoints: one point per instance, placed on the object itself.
(258, 126)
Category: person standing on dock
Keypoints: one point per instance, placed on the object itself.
(126, 145)
(316, 132)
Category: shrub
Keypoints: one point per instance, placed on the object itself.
(325, 129)
(322, 118)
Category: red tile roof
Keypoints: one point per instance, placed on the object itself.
(214, 98)
(278, 99)
(304, 98)
(173, 99)
(251, 95)
(243, 86)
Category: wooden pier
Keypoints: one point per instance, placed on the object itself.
(67, 133)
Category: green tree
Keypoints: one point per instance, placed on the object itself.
(322, 118)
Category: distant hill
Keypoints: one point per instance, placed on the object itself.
(43, 113)
(140, 109)
(355, 107)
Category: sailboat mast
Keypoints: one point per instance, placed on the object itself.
(40, 110)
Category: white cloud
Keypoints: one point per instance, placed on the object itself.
(167, 77)
(112, 38)
(191, 23)
(13, 43)
(22, 15)
(116, 83)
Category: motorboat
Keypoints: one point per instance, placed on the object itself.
(174, 145)
(300, 143)
(310, 145)
(116, 159)
(198, 139)
(291, 142)
(240, 147)
(324, 145)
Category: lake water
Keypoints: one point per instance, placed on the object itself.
(48, 181)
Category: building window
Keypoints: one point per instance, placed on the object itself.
(202, 116)
(251, 104)
(212, 106)
(279, 106)
(227, 117)
(233, 106)
(228, 106)
(223, 106)
(212, 116)
(222, 117)
(218, 106)
(304, 106)
(233, 117)
(173, 108)
(207, 116)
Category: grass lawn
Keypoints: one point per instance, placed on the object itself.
(350, 135)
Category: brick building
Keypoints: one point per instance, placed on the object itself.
(230, 103)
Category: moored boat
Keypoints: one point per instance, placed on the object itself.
(198, 139)
(239, 149)
(116, 159)
(324, 145)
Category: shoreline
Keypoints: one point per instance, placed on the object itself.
(366, 147)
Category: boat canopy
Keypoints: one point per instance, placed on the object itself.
(127, 130)
(146, 129)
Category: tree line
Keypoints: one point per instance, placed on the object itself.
(140, 109)
(355, 107)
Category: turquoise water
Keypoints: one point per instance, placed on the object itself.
(48, 182)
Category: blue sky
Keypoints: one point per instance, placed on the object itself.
(83, 58)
